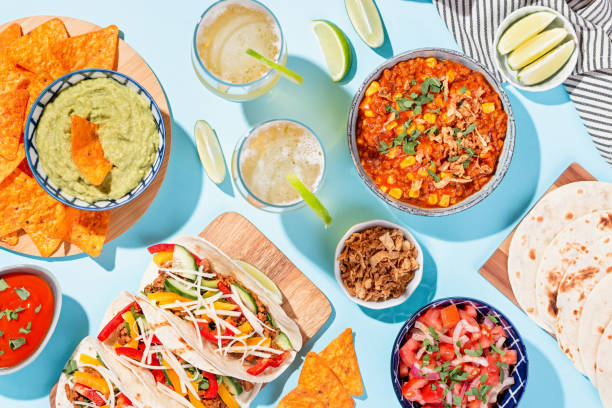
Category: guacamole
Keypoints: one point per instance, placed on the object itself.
(127, 133)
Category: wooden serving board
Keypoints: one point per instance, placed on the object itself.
(239, 239)
(495, 270)
(131, 64)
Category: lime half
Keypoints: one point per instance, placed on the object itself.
(210, 151)
(263, 279)
(335, 48)
(523, 30)
(284, 71)
(366, 20)
(546, 66)
(535, 47)
(310, 199)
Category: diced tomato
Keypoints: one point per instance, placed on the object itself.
(412, 390)
(472, 371)
(123, 401)
(485, 342)
(450, 317)
(473, 404)
(509, 357)
(471, 311)
(492, 371)
(447, 352)
(497, 332)
(468, 318)
(432, 318)
(475, 336)
(404, 370)
(431, 395)
(408, 352)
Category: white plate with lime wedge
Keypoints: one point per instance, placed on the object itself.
(536, 48)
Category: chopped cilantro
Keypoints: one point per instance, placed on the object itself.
(434, 333)
(483, 390)
(27, 329)
(501, 370)
(11, 314)
(453, 158)
(472, 392)
(127, 327)
(462, 90)
(436, 111)
(433, 129)
(493, 318)
(484, 378)
(469, 151)
(469, 129)
(390, 109)
(431, 84)
(413, 82)
(497, 350)
(457, 400)
(502, 365)
(414, 95)
(474, 353)
(100, 359)
(418, 110)
(433, 175)
(22, 293)
(1, 333)
(384, 147)
(1, 352)
(37, 309)
(404, 104)
(70, 368)
(3, 285)
(204, 384)
(14, 344)
(466, 163)
(425, 360)
(409, 148)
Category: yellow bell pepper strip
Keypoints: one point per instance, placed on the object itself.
(227, 397)
(245, 328)
(91, 381)
(253, 341)
(224, 306)
(195, 401)
(128, 317)
(161, 258)
(174, 379)
(164, 298)
(85, 359)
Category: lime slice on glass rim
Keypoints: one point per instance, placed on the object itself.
(284, 71)
(210, 151)
(366, 21)
(310, 199)
(263, 280)
(335, 48)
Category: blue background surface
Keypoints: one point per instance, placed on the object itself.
(549, 137)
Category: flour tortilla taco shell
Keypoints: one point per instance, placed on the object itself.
(540, 226)
(604, 368)
(275, 337)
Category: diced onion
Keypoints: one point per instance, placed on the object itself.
(500, 342)
(468, 327)
(470, 359)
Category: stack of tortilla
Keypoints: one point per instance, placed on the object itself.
(560, 269)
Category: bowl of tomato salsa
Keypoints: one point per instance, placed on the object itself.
(431, 132)
(30, 303)
(459, 352)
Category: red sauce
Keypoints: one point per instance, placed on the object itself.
(40, 294)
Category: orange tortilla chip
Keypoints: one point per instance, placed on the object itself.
(11, 239)
(36, 84)
(302, 398)
(33, 50)
(87, 152)
(48, 226)
(20, 197)
(88, 229)
(10, 34)
(12, 77)
(97, 49)
(320, 379)
(8, 166)
(12, 109)
(340, 356)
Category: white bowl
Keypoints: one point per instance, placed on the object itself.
(510, 75)
(57, 304)
(412, 285)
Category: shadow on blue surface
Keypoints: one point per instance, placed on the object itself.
(543, 385)
(43, 373)
(555, 96)
(351, 73)
(385, 50)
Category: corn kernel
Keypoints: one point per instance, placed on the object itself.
(391, 179)
(360, 141)
(450, 76)
(384, 189)
(430, 117)
(396, 193)
(399, 130)
(421, 127)
(454, 201)
(373, 88)
(445, 175)
(422, 172)
(410, 176)
(432, 199)
(407, 162)
(391, 125)
(468, 93)
(411, 128)
(397, 96)
(378, 180)
(431, 62)
(393, 152)
(444, 200)
(488, 107)
(414, 193)
(439, 101)
(368, 113)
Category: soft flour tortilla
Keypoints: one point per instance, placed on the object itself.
(172, 340)
(596, 315)
(604, 367)
(572, 242)
(223, 265)
(122, 378)
(540, 226)
(576, 286)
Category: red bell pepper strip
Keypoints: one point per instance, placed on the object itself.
(115, 322)
(123, 401)
(223, 288)
(211, 335)
(268, 362)
(89, 393)
(157, 374)
(153, 249)
(134, 354)
(213, 387)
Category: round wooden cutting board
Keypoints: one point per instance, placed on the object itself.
(131, 64)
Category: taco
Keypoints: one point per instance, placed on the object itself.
(92, 378)
(179, 376)
(220, 310)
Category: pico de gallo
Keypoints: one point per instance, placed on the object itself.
(454, 357)
(135, 343)
(223, 311)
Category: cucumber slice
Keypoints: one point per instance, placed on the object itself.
(282, 341)
(232, 385)
(172, 285)
(210, 283)
(246, 297)
(186, 261)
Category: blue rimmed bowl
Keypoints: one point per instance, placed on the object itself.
(511, 397)
(47, 96)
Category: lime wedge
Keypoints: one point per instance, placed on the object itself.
(366, 21)
(284, 71)
(263, 279)
(546, 66)
(210, 151)
(310, 199)
(535, 47)
(335, 48)
(524, 29)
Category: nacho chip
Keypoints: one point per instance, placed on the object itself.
(8, 166)
(87, 152)
(302, 398)
(48, 226)
(340, 356)
(88, 229)
(10, 239)
(97, 49)
(20, 197)
(12, 77)
(36, 84)
(10, 34)
(321, 380)
(33, 50)
(12, 110)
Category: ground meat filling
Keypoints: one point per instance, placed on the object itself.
(123, 335)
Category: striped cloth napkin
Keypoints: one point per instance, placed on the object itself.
(473, 23)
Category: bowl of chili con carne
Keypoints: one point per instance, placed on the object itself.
(431, 132)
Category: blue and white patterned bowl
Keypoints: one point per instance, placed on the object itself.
(511, 397)
(49, 95)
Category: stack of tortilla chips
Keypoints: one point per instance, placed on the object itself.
(328, 379)
(28, 63)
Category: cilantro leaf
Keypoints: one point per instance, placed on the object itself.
(22, 293)
(27, 329)
(462, 90)
(3, 285)
(433, 129)
(484, 378)
(384, 147)
(1, 333)
(404, 104)
(457, 400)
(390, 109)
(409, 147)
(466, 163)
(14, 344)
(433, 175)
(497, 350)
(434, 333)
(70, 368)
(469, 129)
(469, 151)
(37, 309)
(436, 111)
(1, 352)
(474, 353)
(493, 318)
(453, 158)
